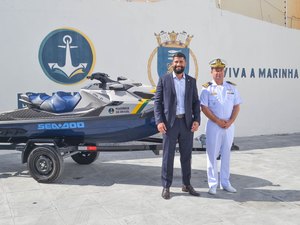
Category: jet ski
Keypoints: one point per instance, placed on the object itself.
(104, 111)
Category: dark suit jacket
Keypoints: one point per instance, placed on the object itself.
(165, 101)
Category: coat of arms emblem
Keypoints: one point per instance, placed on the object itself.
(170, 43)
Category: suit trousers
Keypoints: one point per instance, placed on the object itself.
(180, 132)
(218, 141)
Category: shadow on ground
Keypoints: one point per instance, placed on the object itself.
(268, 141)
(107, 174)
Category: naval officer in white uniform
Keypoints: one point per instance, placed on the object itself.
(220, 102)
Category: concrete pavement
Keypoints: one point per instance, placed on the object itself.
(124, 188)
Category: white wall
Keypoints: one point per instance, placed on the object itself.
(123, 36)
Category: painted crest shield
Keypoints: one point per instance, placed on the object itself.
(170, 43)
(165, 58)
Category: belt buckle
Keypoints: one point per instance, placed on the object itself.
(180, 116)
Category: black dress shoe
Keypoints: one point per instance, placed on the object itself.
(165, 193)
(190, 190)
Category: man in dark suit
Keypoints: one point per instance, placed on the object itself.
(177, 115)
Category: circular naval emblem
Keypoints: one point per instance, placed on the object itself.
(111, 110)
(67, 56)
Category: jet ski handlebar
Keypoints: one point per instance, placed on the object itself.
(102, 77)
(109, 84)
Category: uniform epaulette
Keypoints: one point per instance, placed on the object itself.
(206, 85)
(229, 82)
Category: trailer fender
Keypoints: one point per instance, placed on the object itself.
(31, 144)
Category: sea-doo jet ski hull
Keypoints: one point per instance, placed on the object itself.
(109, 111)
(80, 129)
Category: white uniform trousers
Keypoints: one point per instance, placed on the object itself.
(218, 141)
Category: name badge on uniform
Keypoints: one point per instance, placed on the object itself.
(230, 92)
(213, 93)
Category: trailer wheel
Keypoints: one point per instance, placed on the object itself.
(45, 164)
(85, 158)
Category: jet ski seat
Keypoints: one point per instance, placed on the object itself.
(35, 99)
(60, 102)
(57, 103)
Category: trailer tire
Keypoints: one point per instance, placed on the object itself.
(85, 158)
(45, 164)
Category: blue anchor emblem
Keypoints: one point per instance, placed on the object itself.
(68, 68)
(66, 56)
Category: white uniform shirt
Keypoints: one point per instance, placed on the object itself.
(220, 99)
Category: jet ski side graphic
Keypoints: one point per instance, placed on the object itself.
(59, 126)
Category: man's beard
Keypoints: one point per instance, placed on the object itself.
(178, 70)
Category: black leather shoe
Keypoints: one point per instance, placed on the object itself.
(190, 190)
(165, 193)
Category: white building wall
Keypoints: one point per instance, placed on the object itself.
(123, 36)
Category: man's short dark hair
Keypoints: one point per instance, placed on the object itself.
(179, 55)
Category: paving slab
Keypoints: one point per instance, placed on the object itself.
(124, 188)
